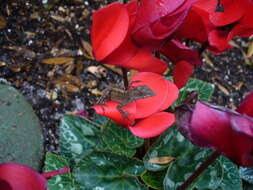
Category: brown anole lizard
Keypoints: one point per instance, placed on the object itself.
(124, 97)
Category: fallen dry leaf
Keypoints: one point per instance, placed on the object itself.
(2, 64)
(57, 60)
(98, 71)
(222, 88)
(97, 92)
(87, 49)
(239, 85)
(250, 49)
(2, 22)
(114, 68)
(161, 160)
(207, 59)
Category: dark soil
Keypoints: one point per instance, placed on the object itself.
(32, 31)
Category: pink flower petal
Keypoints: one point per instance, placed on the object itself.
(21, 177)
(246, 106)
(150, 105)
(181, 73)
(109, 109)
(220, 129)
(109, 28)
(153, 125)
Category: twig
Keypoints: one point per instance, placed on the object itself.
(201, 168)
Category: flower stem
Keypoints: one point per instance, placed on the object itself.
(125, 79)
(201, 168)
(51, 174)
(203, 47)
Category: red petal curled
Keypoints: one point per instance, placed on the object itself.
(153, 125)
(21, 177)
(221, 129)
(109, 109)
(246, 107)
(150, 105)
(176, 51)
(109, 28)
(181, 73)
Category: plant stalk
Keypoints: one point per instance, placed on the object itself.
(125, 79)
(201, 168)
(203, 47)
(51, 174)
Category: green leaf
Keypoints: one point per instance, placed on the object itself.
(154, 179)
(59, 182)
(120, 140)
(221, 175)
(246, 174)
(79, 137)
(204, 89)
(21, 138)
(109, 171)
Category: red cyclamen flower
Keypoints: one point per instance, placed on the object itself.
(126, 35)
(145, 116)
(14, 176)
(221, 129)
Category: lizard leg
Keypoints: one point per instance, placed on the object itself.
(120, 109)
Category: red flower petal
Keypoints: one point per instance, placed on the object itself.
(150, 10)
(150, 105)
(109, 109)
(246, 107)
(229, 15)
(144, 61)
(218, 39)
(181, 73)
(21, 177)
(198, 18)
(109, 28)
(176, 51)
(207, 5)
(153, 125)
(172, 95)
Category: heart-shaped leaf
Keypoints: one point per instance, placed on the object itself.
(204, 89)
(105, 170)
(246, 174)
(154, 179)
(79, 137)
(65, 181)
(222, 174)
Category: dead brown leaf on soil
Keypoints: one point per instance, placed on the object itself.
(57, 60)
(3, 22)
